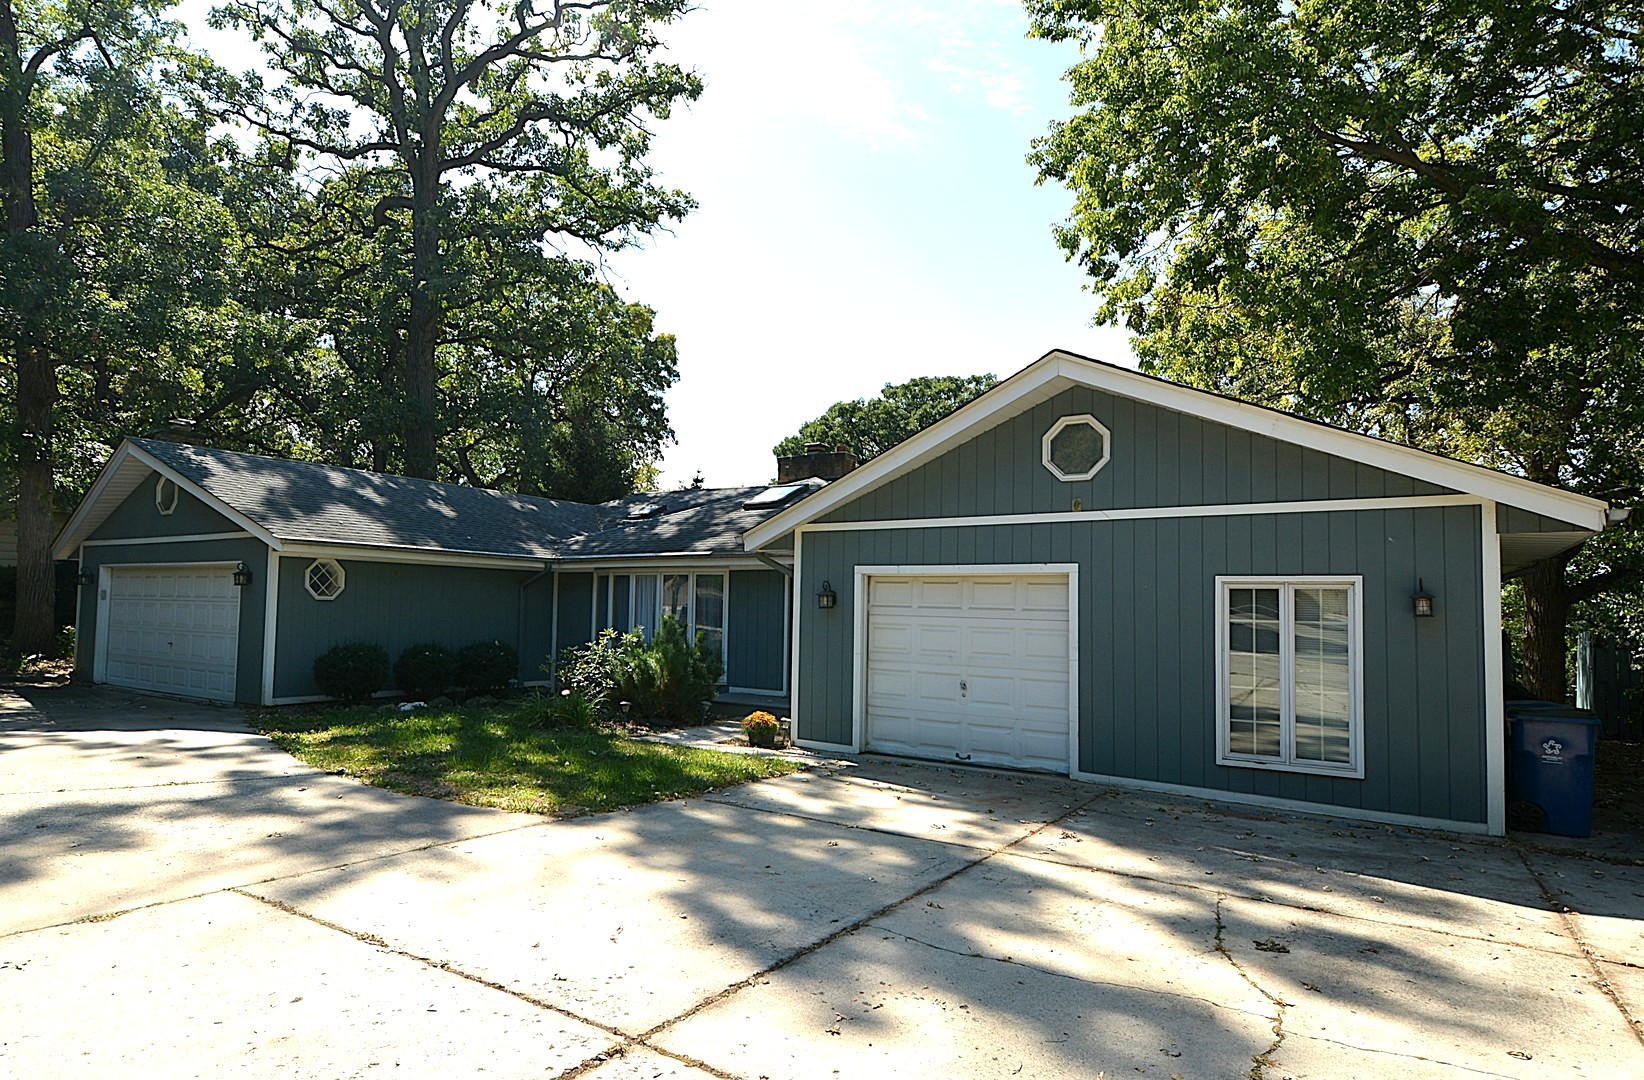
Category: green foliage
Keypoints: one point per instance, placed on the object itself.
(351, 672)
(1414, 219)
(668, 679)
(869, 426)
(426, 671)
(585, 670)
(486, 665)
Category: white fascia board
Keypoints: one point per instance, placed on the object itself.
(125, 470)
(1057, 370)
(317, 550)
(660, 563)
(1035, 383)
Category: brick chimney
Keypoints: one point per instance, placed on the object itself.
(819, 460)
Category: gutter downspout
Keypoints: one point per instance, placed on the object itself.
(547, 568)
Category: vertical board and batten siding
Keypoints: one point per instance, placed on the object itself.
(1147, 632)
(755, 642)
(574, 619)
(396, 605)
(1159, 458)
(248, 669)
(135, 521)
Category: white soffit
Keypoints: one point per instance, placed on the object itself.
(1057, 371)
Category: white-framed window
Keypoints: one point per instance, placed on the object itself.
(1076, 447)
(696, 601)
(165, 496)
(1289, 670)
(325, 579)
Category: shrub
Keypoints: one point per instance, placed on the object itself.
(351, 672)
(586, 669)
(670, 678)
(574, 710)
(426, 671)
(486, 665)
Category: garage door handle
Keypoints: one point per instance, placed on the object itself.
(962, 757)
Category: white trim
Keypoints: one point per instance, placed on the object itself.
(1354, 770)
(413, 556)
(1084, 420)
(166, 509)
(99, 666)
(334, 568)
(859, 643)
(70, 536)
(638, 564)
(1315, 809)
(795, 613)
(271, 624)
(188, 538)
(1495, 678)
(1058, 370)
(1154, 513)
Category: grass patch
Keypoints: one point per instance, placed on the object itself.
(500, 757)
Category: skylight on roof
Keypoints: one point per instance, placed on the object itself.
(774, 496)
(641, 511)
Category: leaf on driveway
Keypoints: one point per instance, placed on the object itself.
(1270, 945)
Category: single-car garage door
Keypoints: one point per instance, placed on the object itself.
(173, 630)
(971, 668)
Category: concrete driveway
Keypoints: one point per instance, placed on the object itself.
(179, 898)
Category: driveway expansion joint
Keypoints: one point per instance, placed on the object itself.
(1588, 953)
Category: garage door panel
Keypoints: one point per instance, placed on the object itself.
(1003, 638)
(175, 631)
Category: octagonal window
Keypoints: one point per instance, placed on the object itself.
(325, 579)
(1076, 447)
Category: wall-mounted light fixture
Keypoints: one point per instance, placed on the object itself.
(242, 576)
(86, 578)
(827, 598)
(1423, 601)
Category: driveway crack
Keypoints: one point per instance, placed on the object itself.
(1262, 1060)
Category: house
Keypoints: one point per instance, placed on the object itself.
(223, 576)
(1086, 570)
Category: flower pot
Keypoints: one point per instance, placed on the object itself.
(765, 738)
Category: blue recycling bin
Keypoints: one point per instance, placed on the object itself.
(1551, 767)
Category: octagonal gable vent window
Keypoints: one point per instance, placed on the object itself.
(1076, 447)
(325, 579)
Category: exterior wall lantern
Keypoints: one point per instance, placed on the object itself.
(1423, 601)
(242, 576)
(827, 598)
(86, 578)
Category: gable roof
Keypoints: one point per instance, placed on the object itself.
(284, 502)
(1057, 371)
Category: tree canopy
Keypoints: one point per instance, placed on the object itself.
(1422, 220)
(867, 427)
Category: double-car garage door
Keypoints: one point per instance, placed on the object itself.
(175, 630)
(969, 668)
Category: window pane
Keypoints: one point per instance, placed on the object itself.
(710, 610)
(1253, 672)
(1323, 677)
(676, 599)
(645, 598)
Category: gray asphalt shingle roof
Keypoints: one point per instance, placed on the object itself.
(303, 501)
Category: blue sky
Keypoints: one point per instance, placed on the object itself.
(866, 214)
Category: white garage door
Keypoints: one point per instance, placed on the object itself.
(173, 630)
(969, 669)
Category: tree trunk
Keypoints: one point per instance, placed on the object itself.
(1547, 599)
(33, 631)
(422, 333)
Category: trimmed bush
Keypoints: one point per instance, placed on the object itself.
(486, 665)
(426, 671)
(351, 672)
(585, 670)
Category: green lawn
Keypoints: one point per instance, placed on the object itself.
(497, 757)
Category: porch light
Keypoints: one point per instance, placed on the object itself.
(1423, 601)
(242, 576)
(86, 578)
(827, 598)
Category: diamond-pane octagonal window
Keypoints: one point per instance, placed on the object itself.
(1076, 447)
(325, 579)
